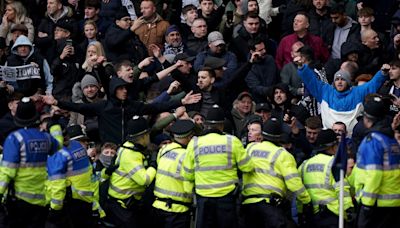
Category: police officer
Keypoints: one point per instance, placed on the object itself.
(275, 173)
(128, 182)
(377, 172)
(70, 186)
(320, 184)
(23, 168)
(172, 202)
(212, 162)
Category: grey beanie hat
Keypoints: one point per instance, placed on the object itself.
(89, 80)
(343, 74)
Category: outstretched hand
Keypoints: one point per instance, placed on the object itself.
(49, 100)
(191, 98)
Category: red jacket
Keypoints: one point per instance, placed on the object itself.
(285, 46)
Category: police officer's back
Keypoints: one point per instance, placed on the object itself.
(70, 185)
(173, 204)
(275, 173)
(316, 173)
(129, 181)
(212, 162)
(23, 168)
(377, 172)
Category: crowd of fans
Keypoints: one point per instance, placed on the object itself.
(97, 63)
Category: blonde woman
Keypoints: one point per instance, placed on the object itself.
(15, 13)
(96, 64)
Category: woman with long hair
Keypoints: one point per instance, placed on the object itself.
(96, 64)
(15, 13)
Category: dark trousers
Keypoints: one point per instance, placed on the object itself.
(123, 217)
(262, 214)
(22, 214)
(375, 217)
(326, 219)
(164, 219)
(217, 212)
(75, 214)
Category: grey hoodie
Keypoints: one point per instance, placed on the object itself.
(23, 40)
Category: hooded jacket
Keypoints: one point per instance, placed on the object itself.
(113, 114)
(30, 86)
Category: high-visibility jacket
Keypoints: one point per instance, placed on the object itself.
(211, 163)
(169, 179)
(316, 173)
(70, 168)
(24, 160)
(274, 173)
(130, 178)
(377, 171)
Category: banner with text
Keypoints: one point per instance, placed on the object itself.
(17, 73)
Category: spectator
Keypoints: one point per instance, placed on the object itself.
(173, 41)
(242, 108)
(40, 78)
(15, 14)
(227, 24)
(152, 27)
(263, 73)
(90, 89)
(7, 124)
(263, 110)
(392, 87)
(313, 127)
(289, 72)
(217, 48)
(344, 28)
(92, 10)
(56, 12)
(320, 20)
(372, 54)
(65, 66)
(254, 130)
(121, 42)
(250, 29)
(189, 13)
(211, 13)
(300, 27)
(90, 34)
(117, 110)
(340, 101)
(197, 41)
(96, 64)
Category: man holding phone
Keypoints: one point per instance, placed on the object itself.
(64, 66)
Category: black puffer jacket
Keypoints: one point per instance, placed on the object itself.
(113, 114)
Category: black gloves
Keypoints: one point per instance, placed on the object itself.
(112, 167)
(305, 219)
(153, 160)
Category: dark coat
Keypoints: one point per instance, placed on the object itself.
(123, 44)
(261, 77)
(113, 114)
